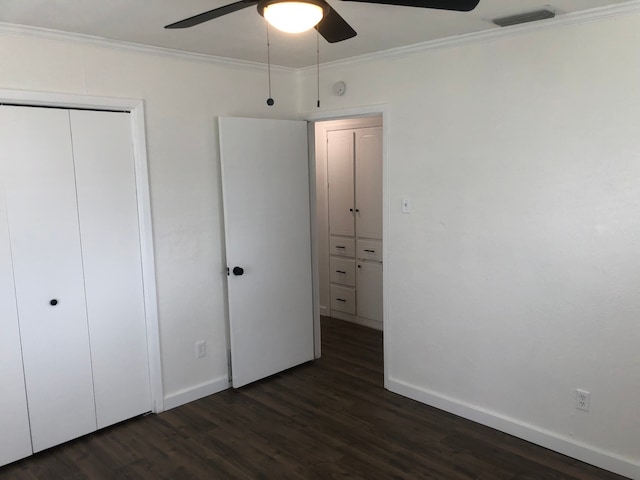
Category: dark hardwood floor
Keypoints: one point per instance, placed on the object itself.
(329, 419)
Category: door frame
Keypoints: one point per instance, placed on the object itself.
(346, 114)
(135, 107)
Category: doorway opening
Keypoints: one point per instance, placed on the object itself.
(349, 222)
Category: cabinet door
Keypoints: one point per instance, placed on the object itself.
(43, 221)
(340, 176)
(369, 290)
(15, 439)
(105, 177)
(369, 183)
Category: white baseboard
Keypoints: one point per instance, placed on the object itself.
(376, 325)
(195, 393)
(566, 446)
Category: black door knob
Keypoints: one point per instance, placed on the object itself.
(238, 271)
(53, 302)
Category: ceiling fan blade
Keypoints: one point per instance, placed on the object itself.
(211, 14)
(334, 28)
(457, 5)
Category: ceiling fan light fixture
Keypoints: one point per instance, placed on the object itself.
(292, 16)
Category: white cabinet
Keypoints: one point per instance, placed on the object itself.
(343, 247)
(343, 299)
(342, 271)
(354, 173)
(68, 182)
(368, 184)
(340, 174)
(369, 298)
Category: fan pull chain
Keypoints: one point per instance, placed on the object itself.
(318, 64)
(270, 100)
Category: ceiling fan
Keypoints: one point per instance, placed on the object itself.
(322, 16)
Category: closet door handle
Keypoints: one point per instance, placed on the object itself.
(53, 302)
(357, 210)
(238, 271)
(351, 209)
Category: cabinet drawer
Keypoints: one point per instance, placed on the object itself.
(369, 250)
(341, 246)
(342, 271)
(343, 299)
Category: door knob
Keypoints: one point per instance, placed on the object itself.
(53, 302)
(238, 271)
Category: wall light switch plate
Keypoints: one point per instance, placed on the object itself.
(406, 204)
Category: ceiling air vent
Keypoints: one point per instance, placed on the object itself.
(524, 18)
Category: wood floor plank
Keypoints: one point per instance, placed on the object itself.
(328, 419)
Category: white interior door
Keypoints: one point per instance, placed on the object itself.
(108, 215)
(38, 174)
(265, 176)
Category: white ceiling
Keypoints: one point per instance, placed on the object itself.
(242, 35)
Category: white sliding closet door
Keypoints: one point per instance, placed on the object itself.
(106, 189)
(39, 181)
(15, 438)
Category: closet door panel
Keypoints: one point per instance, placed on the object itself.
(340, 177)
(107, 206)
(369, 183)
(43, 221)
(15, 439)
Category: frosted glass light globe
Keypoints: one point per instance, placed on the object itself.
(293, 17)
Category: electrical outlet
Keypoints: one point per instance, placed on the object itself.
(583, 399)
(201, 349)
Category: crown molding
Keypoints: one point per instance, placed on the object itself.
(586, 16)
(50, 34)
(591, 15)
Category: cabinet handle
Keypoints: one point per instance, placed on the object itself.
(53, 302)
(351, 209)
(369, 251)
(340, 271)
(340, 246)
(359, 266)
(341, 299)
(357, 210)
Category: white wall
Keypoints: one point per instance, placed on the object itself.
(516, 279)
(183, 99)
